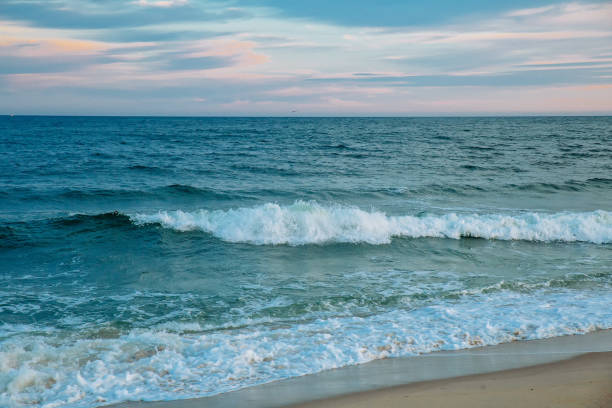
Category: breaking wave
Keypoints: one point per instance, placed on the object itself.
(175, 360)
(312, 223)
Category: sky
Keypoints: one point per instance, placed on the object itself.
(305, 58)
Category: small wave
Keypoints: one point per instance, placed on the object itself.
(570, 185)
(456, 189)
(472, 167)
(144, 168)
(89, 194)
(8, 238)
(339, 146)
(312, 223)
(477, 148)
(184, 189)
(109, 219)
(599, 181)
(274, 170)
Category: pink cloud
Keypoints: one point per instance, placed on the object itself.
(302, 91)
(161, 3)
(242, 51)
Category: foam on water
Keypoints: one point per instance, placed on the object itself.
(312, 223)
(176, 360)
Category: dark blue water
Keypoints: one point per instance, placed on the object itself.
(164, 258)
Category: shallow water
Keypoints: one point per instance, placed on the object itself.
(164, 258)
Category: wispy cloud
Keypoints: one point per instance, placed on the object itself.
(530, 11)
(263, 58)
(87, 15)
(161, 3)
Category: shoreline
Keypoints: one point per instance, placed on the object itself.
(582, 381)
(388, 378)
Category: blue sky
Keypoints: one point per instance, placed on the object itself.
(271, 57)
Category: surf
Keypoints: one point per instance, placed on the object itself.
(308, 222)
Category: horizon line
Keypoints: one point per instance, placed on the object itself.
(500, 115)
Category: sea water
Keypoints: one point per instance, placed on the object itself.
(167, 258)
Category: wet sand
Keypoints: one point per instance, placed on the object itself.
(584, 381)
(569, 371)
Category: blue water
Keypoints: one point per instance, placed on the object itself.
(165, 258)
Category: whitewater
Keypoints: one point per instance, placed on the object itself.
(311, 223)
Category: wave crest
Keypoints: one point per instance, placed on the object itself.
(312, 223)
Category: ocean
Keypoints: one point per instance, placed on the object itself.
(167, 258)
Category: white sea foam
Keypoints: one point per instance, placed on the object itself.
(312, 223)
(161, 363)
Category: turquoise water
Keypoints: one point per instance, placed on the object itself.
(165, 258)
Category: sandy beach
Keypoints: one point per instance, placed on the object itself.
(568, 371)
(584, 381)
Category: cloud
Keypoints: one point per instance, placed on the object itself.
(389, 13)
(18, 56)
(274, 57)
(28, 65)
(198, 63)
(602, 63)
(83, 15)
(300, 91)
(209, 54)
(161, 3)
(528, 77)
(530, 11)
(152, 35)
